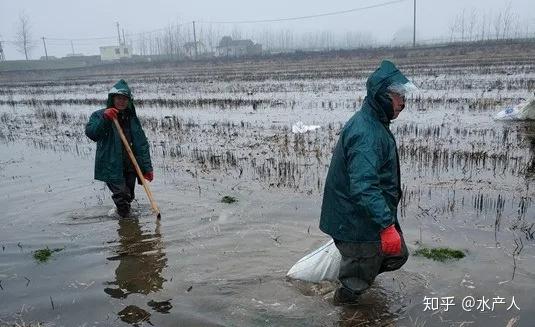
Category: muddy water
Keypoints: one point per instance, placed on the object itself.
(468, 184)
(189, 268)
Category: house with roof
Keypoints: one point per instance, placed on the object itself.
(237, 48)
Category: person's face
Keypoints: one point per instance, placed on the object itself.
(398, 102)
(120, 101)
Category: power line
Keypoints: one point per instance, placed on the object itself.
(333, 13)
(112, 37)
(82, 39)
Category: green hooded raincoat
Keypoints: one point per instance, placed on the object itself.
(109, 155)
(363, 189)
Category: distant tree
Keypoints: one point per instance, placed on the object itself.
(142, 44)
(497, 25)
(483, 26)
(23, 36)
(358, 39)
(472, 22)
(402, 37)
(211, 37)
(508, 20)
(236, 33)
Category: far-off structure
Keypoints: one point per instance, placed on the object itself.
(237, 48)
(115, 52)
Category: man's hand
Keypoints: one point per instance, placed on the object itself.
(390, 241)
(110, 113)
(149, 176)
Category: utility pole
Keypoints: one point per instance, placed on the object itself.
(72, 47)
(44, 45)
(118, 33)
(414, 27)
(2, 56)
(195, 40)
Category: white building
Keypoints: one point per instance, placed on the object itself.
(115, 52)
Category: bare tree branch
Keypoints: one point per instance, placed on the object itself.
(23, 36)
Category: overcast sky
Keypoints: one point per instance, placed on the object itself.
(96, 18)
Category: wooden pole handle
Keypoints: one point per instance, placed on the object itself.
(138, 170)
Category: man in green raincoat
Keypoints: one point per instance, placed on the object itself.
(112, 164)
(363, 189)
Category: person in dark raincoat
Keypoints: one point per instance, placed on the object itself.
(112, 164)
(363, 188)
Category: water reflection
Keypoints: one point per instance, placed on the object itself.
(141, 259)
(134, 315)
(374, 308)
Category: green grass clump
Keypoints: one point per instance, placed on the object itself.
(228, 199)
(42, 255)
(440, 254)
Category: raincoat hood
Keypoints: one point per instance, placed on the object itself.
(121, 87)
(385, 76)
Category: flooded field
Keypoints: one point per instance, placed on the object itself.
(220, 129)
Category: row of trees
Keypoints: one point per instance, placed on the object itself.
(170, 41)
(472, 25)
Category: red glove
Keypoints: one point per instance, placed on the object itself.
(390, 241)
(110, 113)
(149, 176)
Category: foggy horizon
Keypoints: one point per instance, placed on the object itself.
(389, 23)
